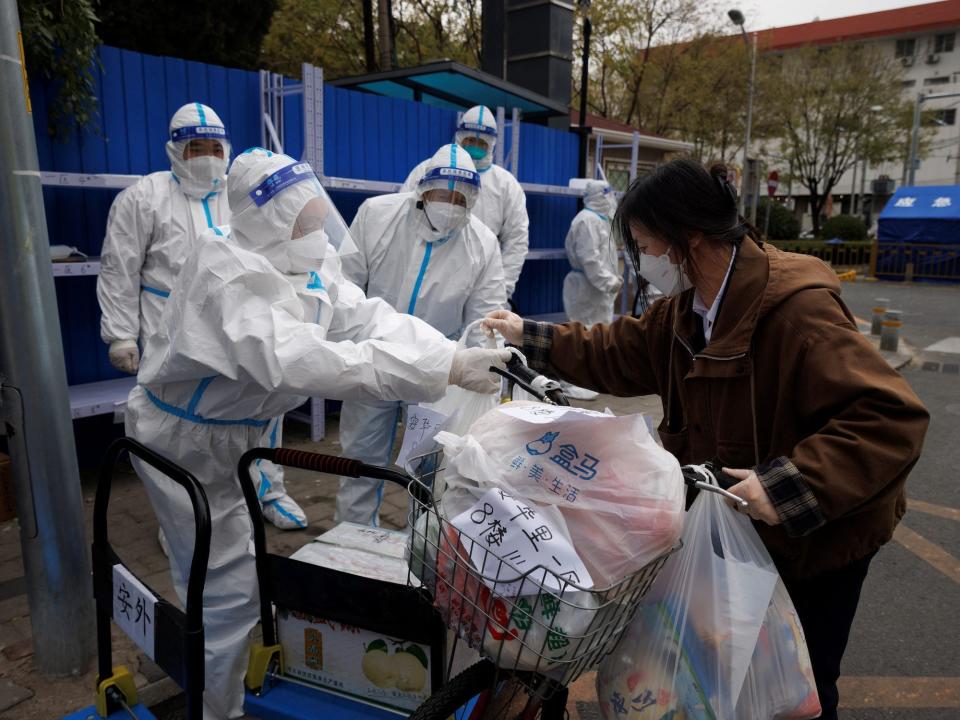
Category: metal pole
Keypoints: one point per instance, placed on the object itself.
(515, 143)
(863, 188)
(34, 399)
(634, 155)
(914, 141)
(584, 79)
(746, 140)
(853, 190)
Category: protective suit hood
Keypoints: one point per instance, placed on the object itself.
(281, 211)
(200, 176)
(450, 169)
(599, 197)
(480, 123)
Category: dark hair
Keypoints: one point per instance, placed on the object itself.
(678, 200)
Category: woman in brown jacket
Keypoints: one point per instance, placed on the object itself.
(762, 370)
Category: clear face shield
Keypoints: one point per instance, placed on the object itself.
(295, 192)
(447, 194)
(478, 140)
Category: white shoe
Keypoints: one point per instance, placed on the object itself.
(284, 513)
(578, 393)
(162, 539)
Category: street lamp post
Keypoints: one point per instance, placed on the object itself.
(913, 159)
(737, 18)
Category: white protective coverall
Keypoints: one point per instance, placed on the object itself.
(591, 286)
(152, 228)
(502, 204)
(446, 281)
(256, 323)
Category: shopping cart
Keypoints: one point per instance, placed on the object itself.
(172, 638)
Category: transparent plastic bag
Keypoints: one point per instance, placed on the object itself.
(780, 682)
(690, 646)
(464, 407)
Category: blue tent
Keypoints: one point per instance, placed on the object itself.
(926, 214)
(919, 234)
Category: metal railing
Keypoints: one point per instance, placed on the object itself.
(855, 255)
(903, 261)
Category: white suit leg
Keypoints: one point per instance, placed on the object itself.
(230, 597)
(367, 433)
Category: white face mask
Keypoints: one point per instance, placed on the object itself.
(202, 175)
(298, 255)
(445, 218)
(666, 277)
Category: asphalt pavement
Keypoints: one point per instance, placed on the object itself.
(903, 660)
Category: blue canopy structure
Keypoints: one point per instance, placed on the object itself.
(925, 214)
(450, 85)
(919, 234)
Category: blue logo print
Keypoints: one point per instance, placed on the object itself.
(543, 445)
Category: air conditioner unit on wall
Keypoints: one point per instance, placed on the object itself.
(933, 59)
(906, 60)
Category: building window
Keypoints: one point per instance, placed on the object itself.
(906, 47)
(945, 117)
(943, 43)
(939, 80)
(908, 83)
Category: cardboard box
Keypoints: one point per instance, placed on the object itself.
(377, 667)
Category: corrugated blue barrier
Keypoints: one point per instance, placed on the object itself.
(366, 136)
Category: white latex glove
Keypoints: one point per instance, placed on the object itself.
(471, 369)
(125, 356)
(508, 324)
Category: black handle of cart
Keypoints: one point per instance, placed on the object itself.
(304, 460)
(178, 647)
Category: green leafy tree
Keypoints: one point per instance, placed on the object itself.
(60, 40)
(846, 227)
(822, 105)
(782, 225)
(329, 33)
(222, 32)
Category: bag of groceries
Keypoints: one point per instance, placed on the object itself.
(716, 637)
(543, 504)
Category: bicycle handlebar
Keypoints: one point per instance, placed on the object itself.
(540, 386)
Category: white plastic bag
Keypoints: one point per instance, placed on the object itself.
(620, 494)
(780, 682)
(690, 646)
(464, 407)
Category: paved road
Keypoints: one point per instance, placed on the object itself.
(906, 639)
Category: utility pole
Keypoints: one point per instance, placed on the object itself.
(738, 19)
(584, 79)
(369, 48)
(914, 158)
(386, 35)
(34, 405)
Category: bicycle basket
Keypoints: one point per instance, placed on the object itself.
(516, 619)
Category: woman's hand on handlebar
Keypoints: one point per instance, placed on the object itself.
(508, 324)
(750, 489)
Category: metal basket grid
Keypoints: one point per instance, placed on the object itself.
(534, 631)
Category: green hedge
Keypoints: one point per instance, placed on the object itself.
(783, 225)
(845, 227)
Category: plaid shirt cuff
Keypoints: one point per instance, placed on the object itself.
(537, 344)
(792, 498)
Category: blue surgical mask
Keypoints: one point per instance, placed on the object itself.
(475, 152)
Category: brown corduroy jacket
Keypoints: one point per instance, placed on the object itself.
(787, 386)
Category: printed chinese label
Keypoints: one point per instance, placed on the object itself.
(420, 427)
(134, 609)
(513, 537)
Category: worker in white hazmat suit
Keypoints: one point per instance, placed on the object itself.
(591, 286)
(501, 204)
(425, 254)
(152, 228)
(259, 319)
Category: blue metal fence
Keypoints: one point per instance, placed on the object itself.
(365, 136)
